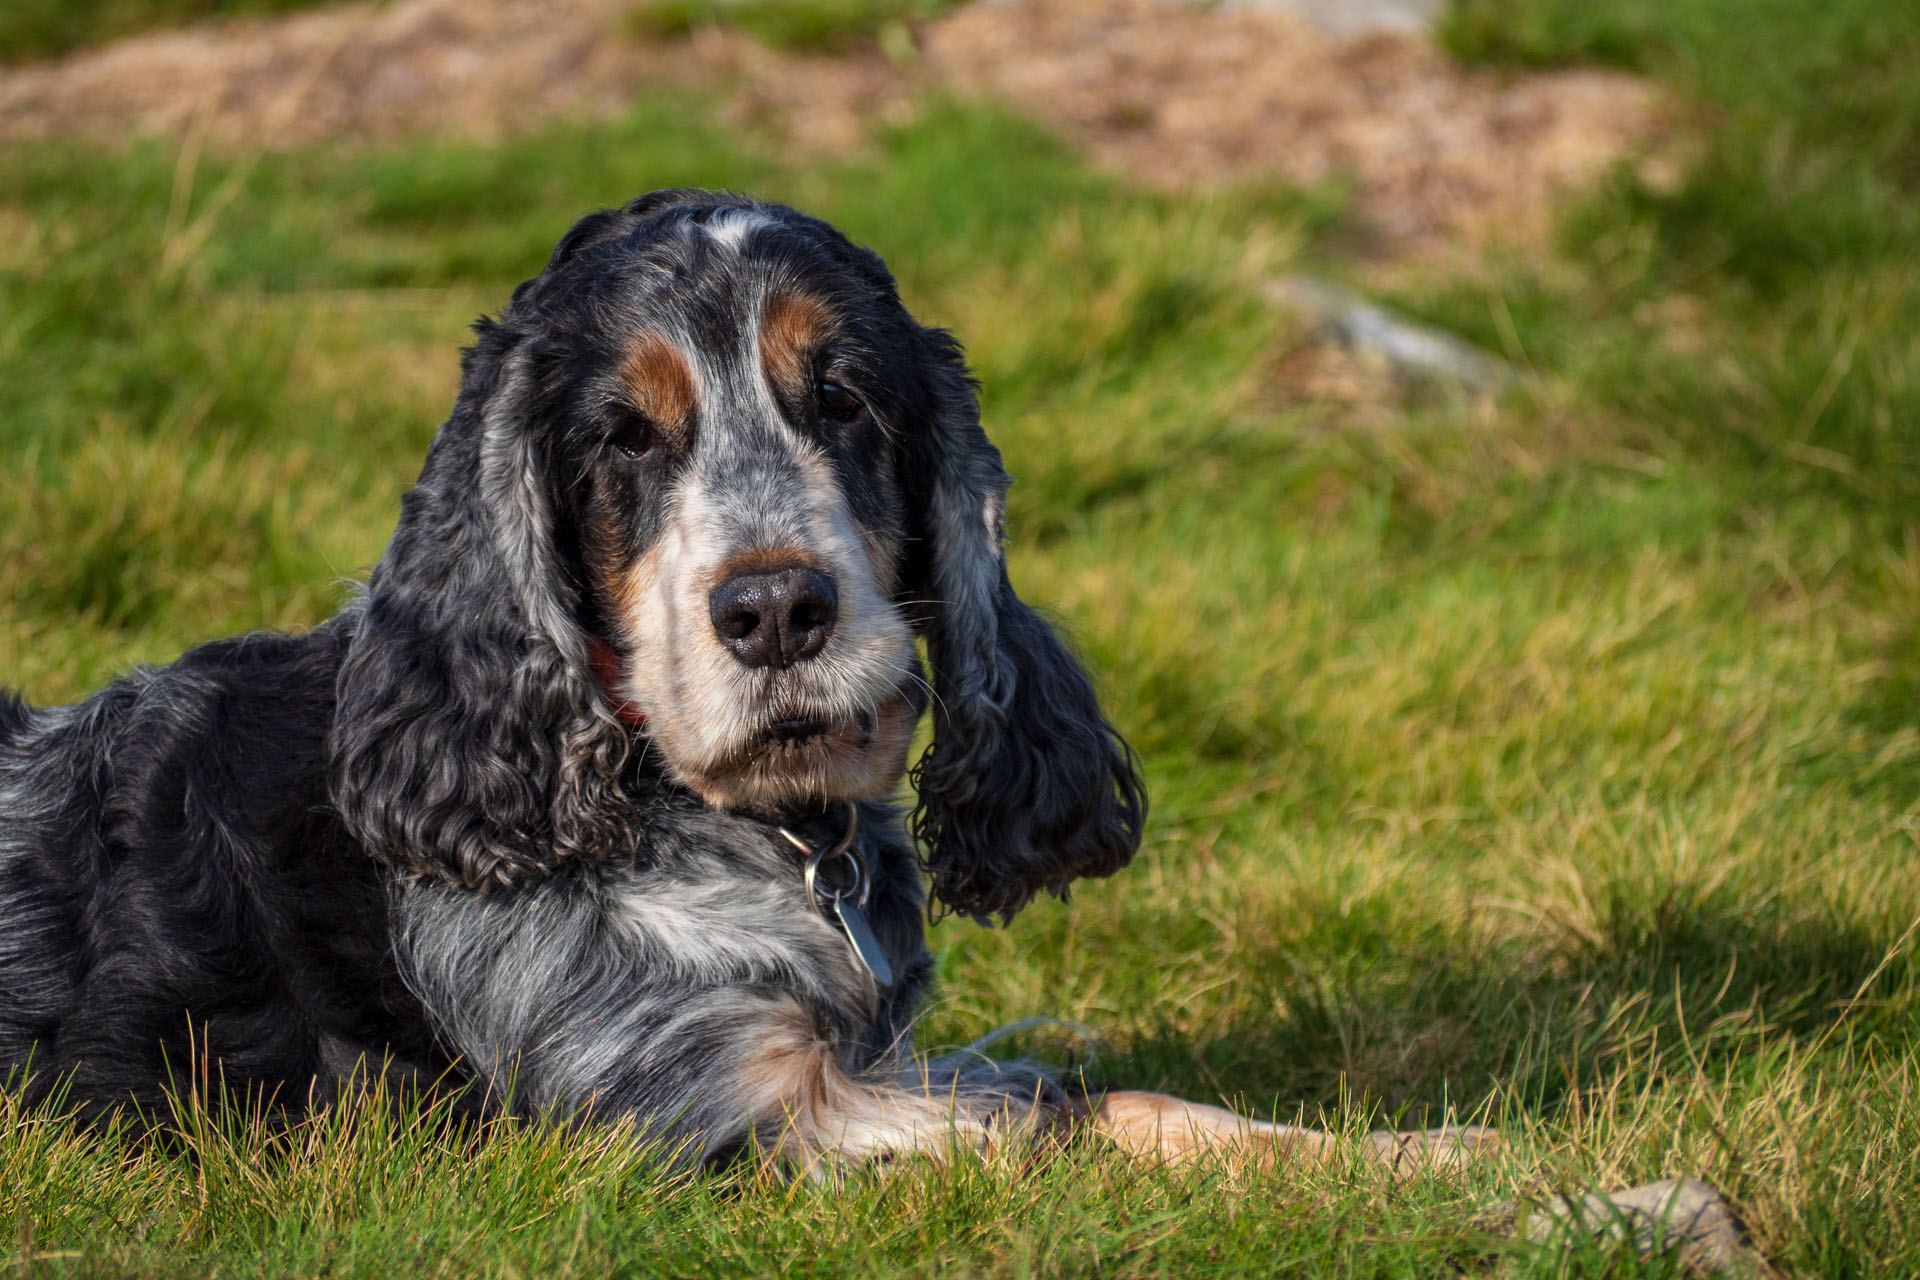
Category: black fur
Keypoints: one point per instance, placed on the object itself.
(1025, 786)
(174, 879)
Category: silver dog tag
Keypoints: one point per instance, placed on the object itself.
(854, 921)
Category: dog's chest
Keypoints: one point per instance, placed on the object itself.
(739, 908)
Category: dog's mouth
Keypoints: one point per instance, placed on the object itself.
(794, 730)
(807, 753)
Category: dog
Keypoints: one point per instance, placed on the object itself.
(584, 805)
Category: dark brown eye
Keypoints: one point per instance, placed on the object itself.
(837, 402)
(632, 434)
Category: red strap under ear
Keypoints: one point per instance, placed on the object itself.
(606, 669)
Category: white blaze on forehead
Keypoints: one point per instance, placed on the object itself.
(731, 227)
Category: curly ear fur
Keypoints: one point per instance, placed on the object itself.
(1025, 786)
(469, 742)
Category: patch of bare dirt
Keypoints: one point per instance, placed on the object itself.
(1177, 96)
(1174, 95)
(377, 72)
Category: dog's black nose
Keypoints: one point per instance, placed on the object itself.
(774, 619)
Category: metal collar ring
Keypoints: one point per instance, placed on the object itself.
(861, 884)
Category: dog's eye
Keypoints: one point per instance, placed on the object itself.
(632, 434)
(837, 402)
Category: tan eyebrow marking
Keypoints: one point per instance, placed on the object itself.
(792, 326)
(656, 375)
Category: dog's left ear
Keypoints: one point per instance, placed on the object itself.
(1026, 786)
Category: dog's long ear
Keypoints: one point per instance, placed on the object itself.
(1025, 786)
(469, 741)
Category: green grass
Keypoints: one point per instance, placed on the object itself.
(1556, 760)
(1764, 306)
(31, 29)
(809, 26)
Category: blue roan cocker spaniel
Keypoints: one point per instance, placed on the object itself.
(585, 804)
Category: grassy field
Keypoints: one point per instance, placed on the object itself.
(1555, 762)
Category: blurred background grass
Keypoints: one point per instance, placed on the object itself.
(1557, 754)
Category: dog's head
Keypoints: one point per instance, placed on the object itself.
(705, 482)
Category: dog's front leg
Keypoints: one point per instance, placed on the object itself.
(1161, 1127)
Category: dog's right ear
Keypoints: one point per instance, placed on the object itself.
(469, 741)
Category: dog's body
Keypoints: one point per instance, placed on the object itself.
(172, 879)
(535, 814)
(178, 884)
